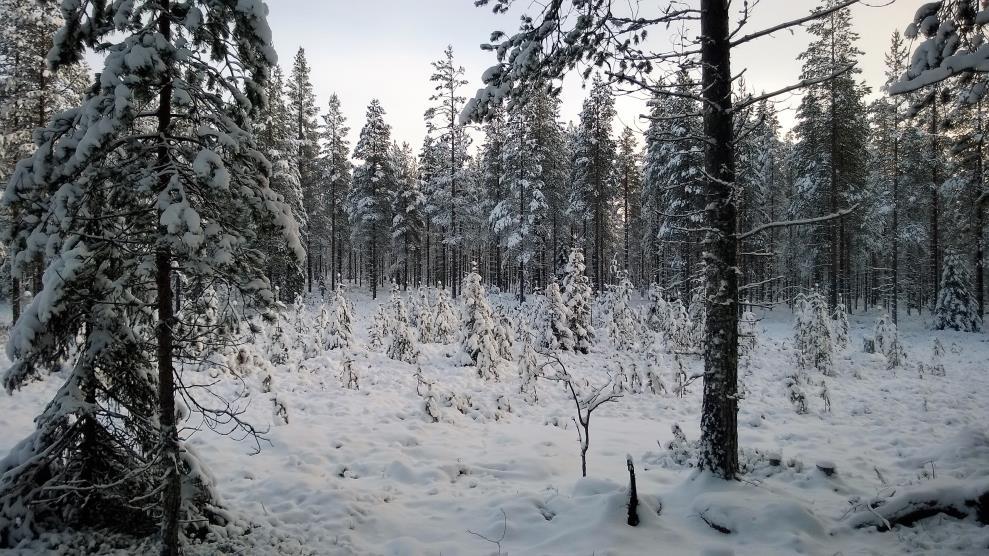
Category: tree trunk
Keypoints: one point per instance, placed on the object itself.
(935, 208)
(171, 497)
(719, 414)
(895, 255)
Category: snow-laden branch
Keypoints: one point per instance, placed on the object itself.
(749, 101)
(792, 23)
(798, 222)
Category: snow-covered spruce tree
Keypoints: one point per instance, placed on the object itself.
(348, 376)
(445, 318)
(420, 314)
(276, 140)
(577, 296)
(30, 94)
(812, 334)
(554, 321)
(451, 142)
(840, 324)
(623, 324)
(339, 333)
(593, 193)
(956, 306)
(370, 197)
(518, 217)
(155, 173)
(303, 121)
(403, 346)
(408, 217)
(529, 369)
(658, 313)
(335, 171)
(504, 335)
(479, 344)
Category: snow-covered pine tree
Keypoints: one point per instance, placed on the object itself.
(577, 296)
(956, 308)
(479, 343)
(831, 152)
(623, 324)
(30, 94)
(165, 138)
(505, 336)
(812, 333)
(658, 312)
(671, 188)
(370, 196)
(408, 219)
(492, 173)
(423, 316)
(348, 376)
(335, 171)
(529, 369)
(840, 324)
(446, 321)
(451, 143)
(593, 191)
(521, 211)
(339, 333)
(888, 342)
(303, 114)
(276, 140)
(554, 321)
(403, 346)
(628, 178)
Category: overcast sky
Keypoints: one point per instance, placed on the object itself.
(364, 49)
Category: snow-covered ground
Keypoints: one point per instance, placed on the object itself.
(367, 472)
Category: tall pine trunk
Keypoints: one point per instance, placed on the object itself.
(719, 413)
(935, 208)
(171, 496)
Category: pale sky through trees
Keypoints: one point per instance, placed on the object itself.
(383, 48)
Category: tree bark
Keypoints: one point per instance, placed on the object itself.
(719, 414)
(171, 497)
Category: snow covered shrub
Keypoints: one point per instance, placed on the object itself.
(658, 312)
(655, 360)
(424, 389)
(587, 399)
(504, 335)
(445, 319)
(529, 370)
(554, 327)
(623, 323)
(888, 341)
(403, 345)
(577, 294)
(348, 376)
(936, 366)
(796, 393)
(681, 451)
(956, 307)
(812, 333)
(479, 344)
(697, 331)
(840, 325)
(339, 332)
(682, 380)
(277, 343)
(679, 328)
(380, 326)
(421, 315)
